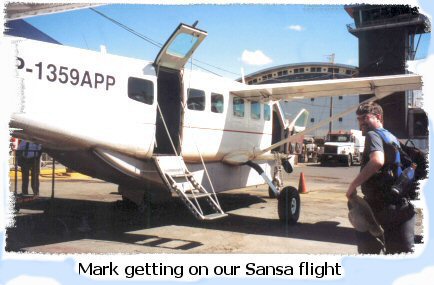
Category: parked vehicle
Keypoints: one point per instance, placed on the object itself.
(343, 147)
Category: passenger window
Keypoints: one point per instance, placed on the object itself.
(216, 103)
(267, 112)
(196, 99)
(141, 90)
(238, 106)
(255, 110)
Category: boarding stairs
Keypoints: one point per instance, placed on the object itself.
(201, 203)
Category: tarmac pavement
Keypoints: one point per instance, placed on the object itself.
(87, 216)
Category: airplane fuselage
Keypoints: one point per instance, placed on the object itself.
(107, 116)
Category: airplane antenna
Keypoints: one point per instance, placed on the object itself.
(195, 24)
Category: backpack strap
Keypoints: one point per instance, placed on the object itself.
(389, 139)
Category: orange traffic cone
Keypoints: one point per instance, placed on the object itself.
(302, 185)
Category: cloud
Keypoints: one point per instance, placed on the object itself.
(255, 58)
(297, 28)
(25, 279)
(423, 277)
(351, 61)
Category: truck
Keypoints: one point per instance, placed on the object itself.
(343, 147)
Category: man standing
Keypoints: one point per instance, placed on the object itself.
(28, 157)
(396, 216)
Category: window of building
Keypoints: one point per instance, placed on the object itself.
(340, 119)
(255, 81)
(141, 90)
(196, 99)
(264, 77)
(269, 75)
(279, 73)
(333, 70)
(255, 110)
(238, 107)
(298, 70)
(267, 112)
(217, 103)
(285, 72)
(340, 97)
(312, 120)
(312, 99)
(348, 72)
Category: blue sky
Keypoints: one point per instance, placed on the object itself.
(270, 34)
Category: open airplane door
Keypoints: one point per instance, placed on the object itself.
(169, 62)
(179, 47)
(300, 122)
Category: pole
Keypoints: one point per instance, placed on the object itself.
(331, 115)
(52, 178)
(16, 172)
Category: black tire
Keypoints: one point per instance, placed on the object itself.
(288, 205)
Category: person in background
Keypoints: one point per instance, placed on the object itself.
(28, 158)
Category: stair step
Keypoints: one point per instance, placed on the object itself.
(214, 216)
(179, 175)
(198, 195)
(185, 186)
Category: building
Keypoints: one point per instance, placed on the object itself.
(389, 36)
(319, 108)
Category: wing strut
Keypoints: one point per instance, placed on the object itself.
(317, 126)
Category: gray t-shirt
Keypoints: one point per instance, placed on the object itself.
(373, 142)
(373, 188)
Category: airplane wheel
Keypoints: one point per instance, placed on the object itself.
(288, 205)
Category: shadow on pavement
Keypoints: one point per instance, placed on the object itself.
(47, 221)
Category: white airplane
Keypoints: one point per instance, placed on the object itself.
(157, 128)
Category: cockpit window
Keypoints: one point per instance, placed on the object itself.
(238, 107)
(196, 99)
(267, 112)
(216, 103)
(141, 90)
(255, 110)
(339, 138)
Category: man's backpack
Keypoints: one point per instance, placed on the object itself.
(405, 155)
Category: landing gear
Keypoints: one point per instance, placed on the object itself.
(271, 193)
(288, 205)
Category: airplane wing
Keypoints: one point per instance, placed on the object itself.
(16, 11)
(380, 86)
